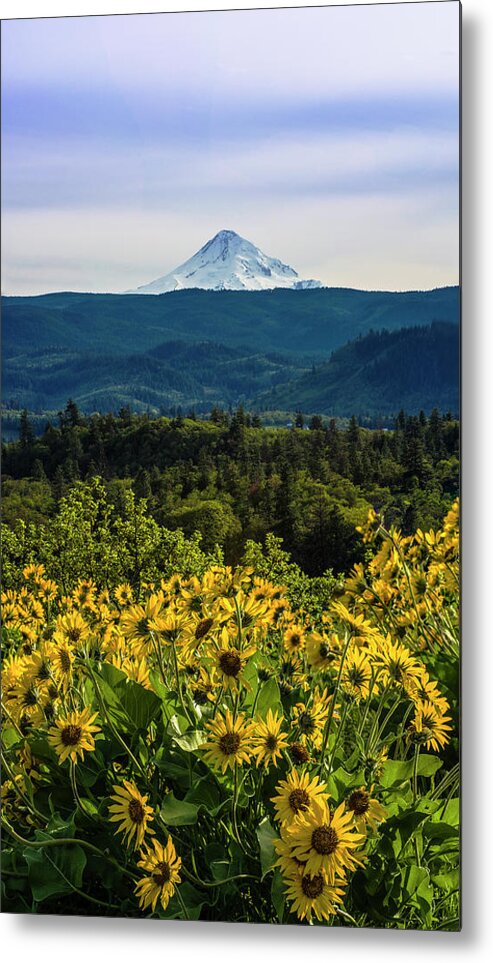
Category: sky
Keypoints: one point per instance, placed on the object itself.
(329, 137)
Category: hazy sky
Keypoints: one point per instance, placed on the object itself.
(327, 136)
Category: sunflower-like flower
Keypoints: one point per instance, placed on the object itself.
(39, 669)
(124, 595)
(33, 573)
(72, 628)
(294, 640)
(230, 741)
(395, 664)
(134, 668)
(326, 843)
(287, 863)
(245, 612)
(268, 740)
(424, 689)
(357, 674)
(230, 663)
(62, 661)
(429, 727)
(140, 622)
(297, 794)
(84, 594)
(310, 719)
(73, 734)
(313, 895)
(130, 809)
(321, 651)
(28, 700)
(163, 873)
(366, 811)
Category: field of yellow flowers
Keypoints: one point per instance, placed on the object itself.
(205, 751)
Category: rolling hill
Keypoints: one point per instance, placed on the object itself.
(378, 374)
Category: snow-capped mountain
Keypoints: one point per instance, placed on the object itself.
(228, 263)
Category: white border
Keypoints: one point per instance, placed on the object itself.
(77, 940)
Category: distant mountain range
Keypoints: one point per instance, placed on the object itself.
(266, 349)
(228, 262)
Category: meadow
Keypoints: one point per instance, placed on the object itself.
(210, 744)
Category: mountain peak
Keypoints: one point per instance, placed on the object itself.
(228, 262)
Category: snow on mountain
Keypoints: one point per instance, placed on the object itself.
(228, 263)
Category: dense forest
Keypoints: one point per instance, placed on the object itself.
(331, 351)
(235, 482)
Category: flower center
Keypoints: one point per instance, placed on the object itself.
(30, 697)
(162, 874)
(271, 743)
(43, 672)
(65, 661)
(312, 886)
(70, 735)
(203, 628)
(229, 743)
(74, 634)
(230, 663)
(142, 627)
(136, 811)
(359, 802)
(324, 840)
(299, 752)
(356, 676)
(299, 800)
(306, 722)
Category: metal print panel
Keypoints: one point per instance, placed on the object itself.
(230, 263)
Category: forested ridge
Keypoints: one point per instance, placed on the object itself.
(232, 480)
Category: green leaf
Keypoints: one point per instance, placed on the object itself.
(340, 782)
(451, 813)
(269, 698)
(428, 765)
(440, 831)
(277, 893)
(206, 794)
(395, 773)
(90, 769)
(129, 704)
(190, 741)
(178, 812)
(140, 704)
(250, 676)
(266, 835)
(449, 882)
(55, 870)
(412, 877)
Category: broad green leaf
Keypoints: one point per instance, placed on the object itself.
(449, 882)
(428, 765)
(277, 892)
(269, 698)
(205, 793)
(412, 877)
(140, 704)
(55, 870)
(395, 773)
(190, 741)
(266, 835)
(178, 812)
(341, 782)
